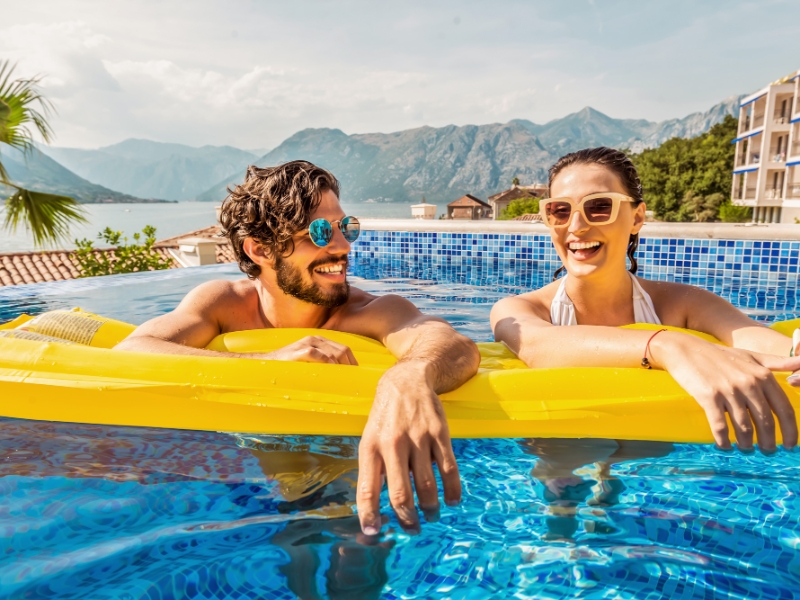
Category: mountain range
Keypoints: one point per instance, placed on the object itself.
(38, 172)
(440, 163)
(153, 169)
(447, 162)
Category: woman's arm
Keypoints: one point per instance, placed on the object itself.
(722, 380)
(521, 325)
(708, 312)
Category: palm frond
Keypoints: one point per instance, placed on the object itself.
(17, 113)
(46, 216)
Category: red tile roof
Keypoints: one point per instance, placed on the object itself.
(57, 265)
(515, 193)
(45, 265)
(469, 200)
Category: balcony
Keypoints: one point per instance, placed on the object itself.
(751, 123)
(745, 125)
(795, 149)
(773, 194)
(747, 194)
(779, 157)
(793, 191)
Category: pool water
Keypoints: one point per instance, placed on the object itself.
(109, 512)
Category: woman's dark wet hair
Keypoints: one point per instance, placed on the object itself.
(618, 163)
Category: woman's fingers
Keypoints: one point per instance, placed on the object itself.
(715, 414)
(765, 397)
(784, 411)
(740, 420)
(760, 413)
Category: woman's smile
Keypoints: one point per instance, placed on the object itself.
(584, 249)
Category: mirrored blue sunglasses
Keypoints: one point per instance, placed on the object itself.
(321, 230)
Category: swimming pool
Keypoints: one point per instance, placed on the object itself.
(105, 512)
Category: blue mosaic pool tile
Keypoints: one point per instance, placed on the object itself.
(746, 259)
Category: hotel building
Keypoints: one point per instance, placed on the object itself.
(766, 174)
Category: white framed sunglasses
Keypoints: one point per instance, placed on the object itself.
(598, 209)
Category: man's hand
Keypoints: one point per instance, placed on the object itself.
(312, 348)
(406, 432)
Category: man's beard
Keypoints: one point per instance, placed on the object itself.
(290, 280)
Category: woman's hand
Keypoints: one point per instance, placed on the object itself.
(734, 381)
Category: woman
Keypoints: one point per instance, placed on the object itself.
(595, 212)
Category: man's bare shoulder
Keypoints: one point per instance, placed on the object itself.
(370, 315)
(357, 301)
(222, 291)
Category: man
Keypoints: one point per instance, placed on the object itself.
(290, 237)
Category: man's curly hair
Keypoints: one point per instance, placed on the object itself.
(271, 206)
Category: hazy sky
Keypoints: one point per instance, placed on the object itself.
(249, 73)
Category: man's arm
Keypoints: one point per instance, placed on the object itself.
(407, 429)
(196, 321)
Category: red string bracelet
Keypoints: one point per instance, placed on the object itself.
(645, 362)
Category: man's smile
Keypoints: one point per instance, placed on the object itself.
(332, 270)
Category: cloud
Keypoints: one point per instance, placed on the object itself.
(145, 69)
(67, 54)
(281, 92)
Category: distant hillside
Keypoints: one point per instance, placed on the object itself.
(439, 163)
(153, 169)
(40, 173)
(447, 162)
(589, 127)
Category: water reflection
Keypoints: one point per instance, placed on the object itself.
(353, 565)
(573, 472)
(92, 511)
(216, 488)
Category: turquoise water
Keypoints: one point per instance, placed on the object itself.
(109, 512)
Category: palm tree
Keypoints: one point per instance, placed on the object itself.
(46, 216)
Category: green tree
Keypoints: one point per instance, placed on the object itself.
(730, 213)
(689, 179)
(701, 209)
(515, 181)
(46, 216)
(127, 258)
(520, 206)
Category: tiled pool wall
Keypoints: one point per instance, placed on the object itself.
(755, 274)
(733, 258)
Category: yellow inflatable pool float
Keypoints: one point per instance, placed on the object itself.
(58, 366)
